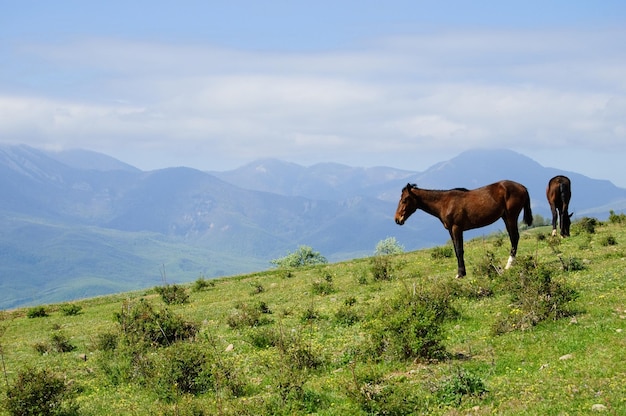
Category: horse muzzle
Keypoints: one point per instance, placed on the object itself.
(399, 220)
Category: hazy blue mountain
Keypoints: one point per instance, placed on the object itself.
(79, 223)
(475, 168)
(331, 181)
(88, 160)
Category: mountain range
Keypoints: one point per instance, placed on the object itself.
(79, 224)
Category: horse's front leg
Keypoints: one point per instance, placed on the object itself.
(457, 240)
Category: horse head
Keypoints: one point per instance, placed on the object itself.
(407, 204)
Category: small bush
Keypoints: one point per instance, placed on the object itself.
(127, 363)
(298, 354)
(141, 323)
(535, 297)
(572, 264)
(381, 267)
(346, 315)
(462, 383)
(202, 284)
(498, 240)
(257, 288)
(263, 337)
(71, 309)
(60, 343)
(304, 256)
(264, 308)
(173, 294)
(441, 252)
(37, 312)
(324, 286)
(106, 341)
(376, 394)
(388, 246)
(586, 225)
(410, 326)
(309, 314)
(41, 347)
(39, 392)
(184, 369)
(617, 218)
(487, 266)
(608, 240)
(245, 315)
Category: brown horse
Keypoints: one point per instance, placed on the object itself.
(559, 192)
(460, 210)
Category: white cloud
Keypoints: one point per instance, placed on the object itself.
(179, 103)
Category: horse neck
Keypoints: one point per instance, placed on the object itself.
(428, 201)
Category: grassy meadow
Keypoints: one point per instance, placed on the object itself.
(388, 335)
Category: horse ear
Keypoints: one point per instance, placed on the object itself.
(570, 215)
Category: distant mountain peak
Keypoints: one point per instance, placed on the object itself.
(89, 160)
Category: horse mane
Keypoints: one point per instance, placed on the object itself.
(414, 186)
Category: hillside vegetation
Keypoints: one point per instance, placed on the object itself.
(389, 335)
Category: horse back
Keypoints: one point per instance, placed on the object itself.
(483, 206)
(559, 191)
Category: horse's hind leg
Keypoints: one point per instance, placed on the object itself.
(554, 218)
(511, 227)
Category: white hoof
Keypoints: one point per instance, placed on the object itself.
(554, 232)
(510, 262)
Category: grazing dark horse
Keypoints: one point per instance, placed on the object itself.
(460, 210)
(559, 192)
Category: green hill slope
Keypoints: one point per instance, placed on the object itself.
(393, 335)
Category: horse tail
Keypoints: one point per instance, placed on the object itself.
(564, 191)
(528, 214)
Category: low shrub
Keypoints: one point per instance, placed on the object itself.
(409, 326)
(184, 368)
(71, 309)
(535, 296)
(608, 240)
(39, 392)
(106, 341)
(263, 337)
(303, 256)
(141, 323)
(381, 268)
(202, 284)
(441, 252)
(37, 312)
(173, 294)
(61, 343)
(257, 288)
(324, 285)
(245, 315)
(58, 343)
(487, 266)
(585, 225)
(617, 218)
(376, 394)
(462, 383)
(388, 246)
(347, 315)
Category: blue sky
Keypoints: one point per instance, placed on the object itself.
(215, 85)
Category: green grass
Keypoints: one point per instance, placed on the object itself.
(308, 354)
